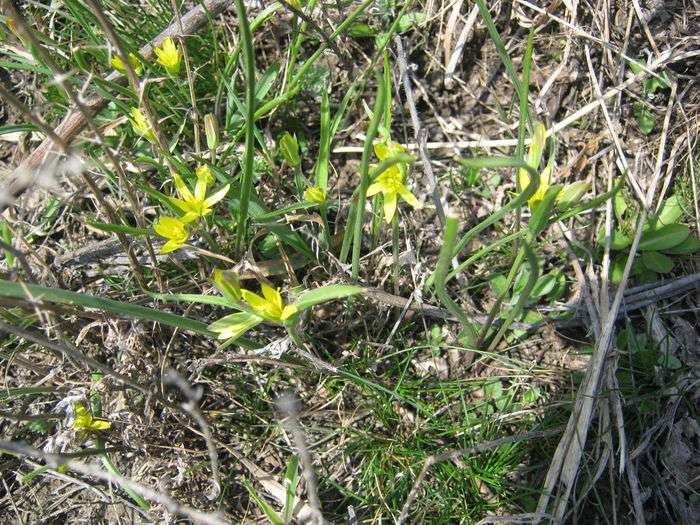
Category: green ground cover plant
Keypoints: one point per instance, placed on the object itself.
(287, 263)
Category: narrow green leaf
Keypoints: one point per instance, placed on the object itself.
(271, 513)
(326, 293)
(213, 300)
(119, 228)
(324, 148)
(33, 292)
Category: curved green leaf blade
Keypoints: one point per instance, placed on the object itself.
(326, 293)
(657, 262)
(33, 292)
(663, 238)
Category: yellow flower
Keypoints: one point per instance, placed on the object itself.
(140, 124)
(234, 325)
(390, 182)
(172, 229)
(84, 420)
(135, 63)
(315, 194)
(198, 204)
(289, 146)
(270, 305)
(203, 172)
(169, 56)
(534, 156)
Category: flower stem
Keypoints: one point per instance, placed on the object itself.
(364, 178)
(247, 174)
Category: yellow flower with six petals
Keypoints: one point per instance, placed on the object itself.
(268, 307)
(172, 229)
(315, 194)
(534, 157)
(84, 420)
(169, 56)
(140, 124)
(118, 64)
(391, 181)
(197, 204)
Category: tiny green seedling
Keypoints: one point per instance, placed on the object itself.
(646, 120)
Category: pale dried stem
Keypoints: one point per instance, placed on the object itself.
(74, 121)
(61, 79)
(190, 79)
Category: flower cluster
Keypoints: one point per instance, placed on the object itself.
(193, 205)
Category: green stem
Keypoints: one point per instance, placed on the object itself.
(395, 248)
(247, 175)
(524, 296)
(443, 266)
(364, 178)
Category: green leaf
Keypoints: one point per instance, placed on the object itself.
(409, 20)
(618, 241)
(540, 215)
(617, 268)
(657, 262)
(688, 246)
(493, 390)
(646, 121)
(544, 285)
(33, 292)
(361, 31)
(620, 207)
(213, 300)
(498, 284)
(663, 238)
(326, 293)
(291, 480)
(289, 147)
(669, 361)
(571, 194)
(271, 513)
(119, 228)
(670, 212)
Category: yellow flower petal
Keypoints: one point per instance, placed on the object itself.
(172, 229)
(315, 194)
(200, 189)
(389, 206)
(169, 56)
(217, 196)
(273, 296)
(182, 190)
(409, 197)
(374, 189)
(170, 246)
(288, 311)
(234, 325)
(203, 172)
(259, 304)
